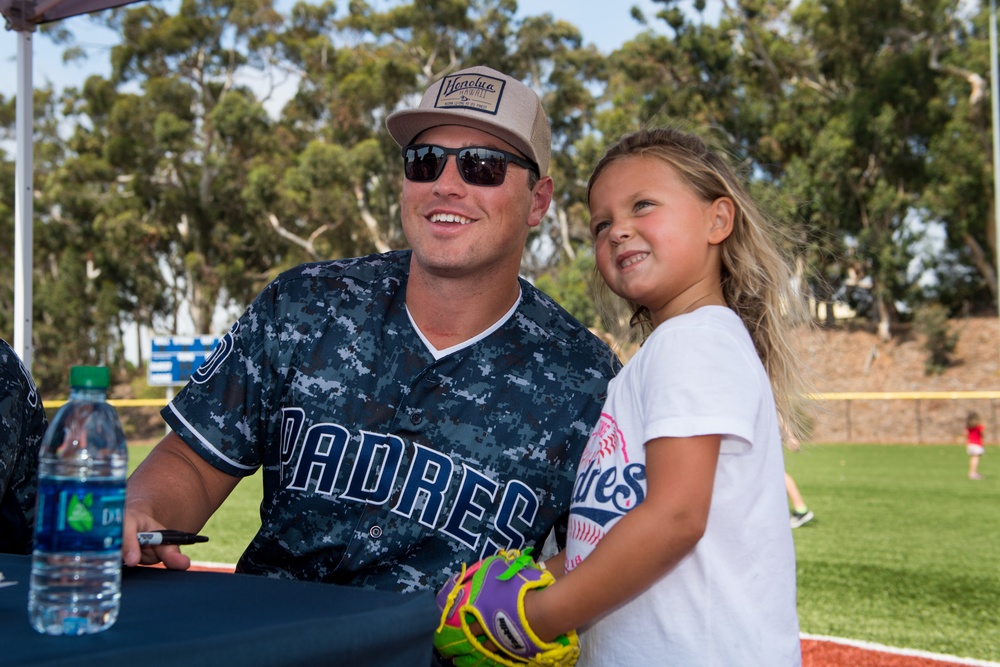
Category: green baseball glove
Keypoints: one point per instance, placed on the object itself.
(491, 592)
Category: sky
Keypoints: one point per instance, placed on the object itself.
(604, 24)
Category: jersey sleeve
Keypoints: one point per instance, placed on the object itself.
(221, 412)
(701, 380)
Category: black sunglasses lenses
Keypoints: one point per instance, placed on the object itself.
(478, 166)
(481, 166)
(423, 164)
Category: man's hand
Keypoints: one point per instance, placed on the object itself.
(132, 554)
(173, 488)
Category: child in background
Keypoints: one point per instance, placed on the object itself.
(974, 443)
(679, 544)
(801, 514)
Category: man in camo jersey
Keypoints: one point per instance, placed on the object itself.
(22, 425)
(411, 410)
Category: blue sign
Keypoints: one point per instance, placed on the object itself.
(174, 359)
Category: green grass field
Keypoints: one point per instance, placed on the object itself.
(903, 548)
(902, 552)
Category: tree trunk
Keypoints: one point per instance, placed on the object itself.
(371, 224)
(884, 320)
(201, 309)
(563, 221)
(986, 270)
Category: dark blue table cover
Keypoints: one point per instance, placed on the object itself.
(194, 619)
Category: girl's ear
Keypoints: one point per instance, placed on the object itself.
(722, 213)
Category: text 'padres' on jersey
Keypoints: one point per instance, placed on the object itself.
(382, 467)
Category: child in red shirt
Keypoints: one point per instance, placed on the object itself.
(974, 443)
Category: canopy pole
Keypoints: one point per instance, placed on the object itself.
(23, 199)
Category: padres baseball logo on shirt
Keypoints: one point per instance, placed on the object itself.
(607, 486)
(216, 358)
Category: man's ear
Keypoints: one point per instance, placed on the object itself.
(541, 197)
(722, 213)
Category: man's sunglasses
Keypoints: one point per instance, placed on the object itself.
(478, 165)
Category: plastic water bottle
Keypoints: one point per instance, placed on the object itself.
(76, 564)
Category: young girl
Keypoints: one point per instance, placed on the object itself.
(679, 543)
(974, 443)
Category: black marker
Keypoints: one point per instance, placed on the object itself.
(157, 537)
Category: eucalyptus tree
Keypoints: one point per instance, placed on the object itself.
(341, 195)
(76, 293)
(192, 136)
(849, 108)
(335, 194)
(726, 79)
(176, 188)
(959, 155)
(66, 300)
(570, 76)
(905, 84)
(865, 161)
(880, 130)
(72, 304)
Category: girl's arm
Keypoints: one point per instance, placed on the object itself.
(557, 565)
(643, 546)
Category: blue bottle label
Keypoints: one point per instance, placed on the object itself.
(79, 516)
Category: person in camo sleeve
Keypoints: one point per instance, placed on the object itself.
(411, 410)
(22, 425)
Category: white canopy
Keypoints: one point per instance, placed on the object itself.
(24, 15)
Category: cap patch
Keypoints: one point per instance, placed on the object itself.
(470, 91)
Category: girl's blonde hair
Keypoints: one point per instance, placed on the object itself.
(757, 281)
(972, 419)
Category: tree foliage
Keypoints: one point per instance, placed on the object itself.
(189, 177)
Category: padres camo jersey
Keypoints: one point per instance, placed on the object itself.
(22, 425)
(382, 467)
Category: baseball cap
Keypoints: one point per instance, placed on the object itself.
(484, 99)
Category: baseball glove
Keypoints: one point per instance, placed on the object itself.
(491, 592)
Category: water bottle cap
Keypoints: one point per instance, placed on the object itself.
(98, 377)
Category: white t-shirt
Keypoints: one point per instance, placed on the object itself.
(731, 601)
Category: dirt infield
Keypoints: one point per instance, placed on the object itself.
(834, 653)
